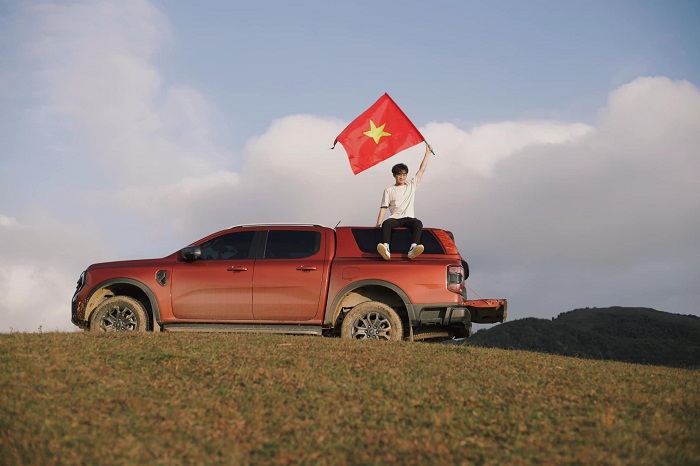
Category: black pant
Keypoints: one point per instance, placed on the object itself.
(413, 224)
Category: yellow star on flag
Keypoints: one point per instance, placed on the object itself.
(375, 132)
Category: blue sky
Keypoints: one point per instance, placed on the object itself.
(566, 133)
(457, 61)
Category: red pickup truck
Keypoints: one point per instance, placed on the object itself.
(304, 279)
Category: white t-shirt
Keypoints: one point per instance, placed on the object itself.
(399, 199)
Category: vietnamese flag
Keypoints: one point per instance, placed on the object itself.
(380, 132)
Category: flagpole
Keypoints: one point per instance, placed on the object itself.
(431, 149)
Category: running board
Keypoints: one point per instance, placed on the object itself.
(244, 328)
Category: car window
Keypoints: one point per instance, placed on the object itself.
(229, 246)
(292, 244)
(368, 238)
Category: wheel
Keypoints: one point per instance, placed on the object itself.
(372, 321)
(119, 314)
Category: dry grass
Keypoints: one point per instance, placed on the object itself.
(268, 399)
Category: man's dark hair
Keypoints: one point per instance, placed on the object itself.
(398, 168)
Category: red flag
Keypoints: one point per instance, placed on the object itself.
(380, 132)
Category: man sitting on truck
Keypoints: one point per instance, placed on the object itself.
(399, 200)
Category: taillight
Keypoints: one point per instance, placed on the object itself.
(455, 278)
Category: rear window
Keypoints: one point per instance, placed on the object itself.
(292, 244)
(368, 238)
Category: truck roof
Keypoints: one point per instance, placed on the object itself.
(277, 224)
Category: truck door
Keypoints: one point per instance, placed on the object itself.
(219, 285)
(289, 276)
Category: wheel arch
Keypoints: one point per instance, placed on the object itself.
(369, 290)
(125, 287)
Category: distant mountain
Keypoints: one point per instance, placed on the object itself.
(630, 334)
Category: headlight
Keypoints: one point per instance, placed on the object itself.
(81, 282)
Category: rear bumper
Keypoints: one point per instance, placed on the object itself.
(478, 311)
(443, 315)
(458, 315)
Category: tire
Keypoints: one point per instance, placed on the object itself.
(119, 314)
(372, 321)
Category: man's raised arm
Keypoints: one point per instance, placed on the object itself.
(424, 163)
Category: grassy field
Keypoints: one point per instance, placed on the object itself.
(74, 398)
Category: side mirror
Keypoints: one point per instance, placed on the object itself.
(191, 253)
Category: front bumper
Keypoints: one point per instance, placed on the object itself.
(78, 311)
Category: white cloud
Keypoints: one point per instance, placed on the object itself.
(99, 83)
(608, 197)
(6, 221)
(479, 150)
(191, 206)
(34, 298)
(40, 261)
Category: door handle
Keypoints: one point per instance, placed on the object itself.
(237, 268)
(306, 268)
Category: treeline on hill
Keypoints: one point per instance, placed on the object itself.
(629, 334)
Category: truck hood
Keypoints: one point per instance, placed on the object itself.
(164, 262)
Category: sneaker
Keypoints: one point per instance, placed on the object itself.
(383, 249)
(415, 251)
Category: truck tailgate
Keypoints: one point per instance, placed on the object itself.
(487, 311)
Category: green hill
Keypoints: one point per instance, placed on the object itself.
(629, 334)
